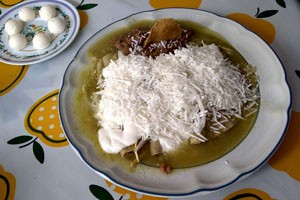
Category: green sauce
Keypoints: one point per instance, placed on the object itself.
(187, 155)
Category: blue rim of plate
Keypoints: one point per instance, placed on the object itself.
(41, 58)
(197, 191)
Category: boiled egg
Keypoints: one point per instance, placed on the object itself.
(26, 14)
(47, 12)
(13, 26)
(56, 25)
(17, 41)
(41, 41)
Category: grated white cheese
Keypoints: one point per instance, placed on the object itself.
(168, 98)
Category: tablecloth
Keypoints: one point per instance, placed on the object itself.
(32, 167)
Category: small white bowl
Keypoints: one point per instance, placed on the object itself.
(262, 141)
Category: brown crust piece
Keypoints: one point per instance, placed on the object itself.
(164, 30)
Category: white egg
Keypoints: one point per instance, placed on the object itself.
(41, 41)
(56, 25)
(47, 12)
(17, 41)
(26, 14)
(13, 26)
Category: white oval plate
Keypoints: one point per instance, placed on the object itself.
(29, 55)
(243, 160)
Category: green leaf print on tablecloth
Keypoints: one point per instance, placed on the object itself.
(26, 140)
(281, 3)
(100, 192)
(297, 73)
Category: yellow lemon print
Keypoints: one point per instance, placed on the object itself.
(248, 194)
(84, 18)
(175, 3)
(42, 120)
(286, 158)
(9, 3)
(261, 27)
(133, 195)
(10, 76)
(7, 185)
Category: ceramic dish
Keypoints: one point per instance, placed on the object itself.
(248, 156)
(29, 55)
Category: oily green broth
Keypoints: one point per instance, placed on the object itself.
(187, 155)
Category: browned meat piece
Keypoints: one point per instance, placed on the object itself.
(127, 150)
(159, 40)
(132, 42)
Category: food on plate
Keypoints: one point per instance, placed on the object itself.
(169, 99)
(41, 41)
(26, 14)
(13, 26)
(169, 94)
(17, 41)
(56, 25)
(47, 12)
(168, 32)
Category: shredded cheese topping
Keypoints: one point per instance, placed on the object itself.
(168, 98)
